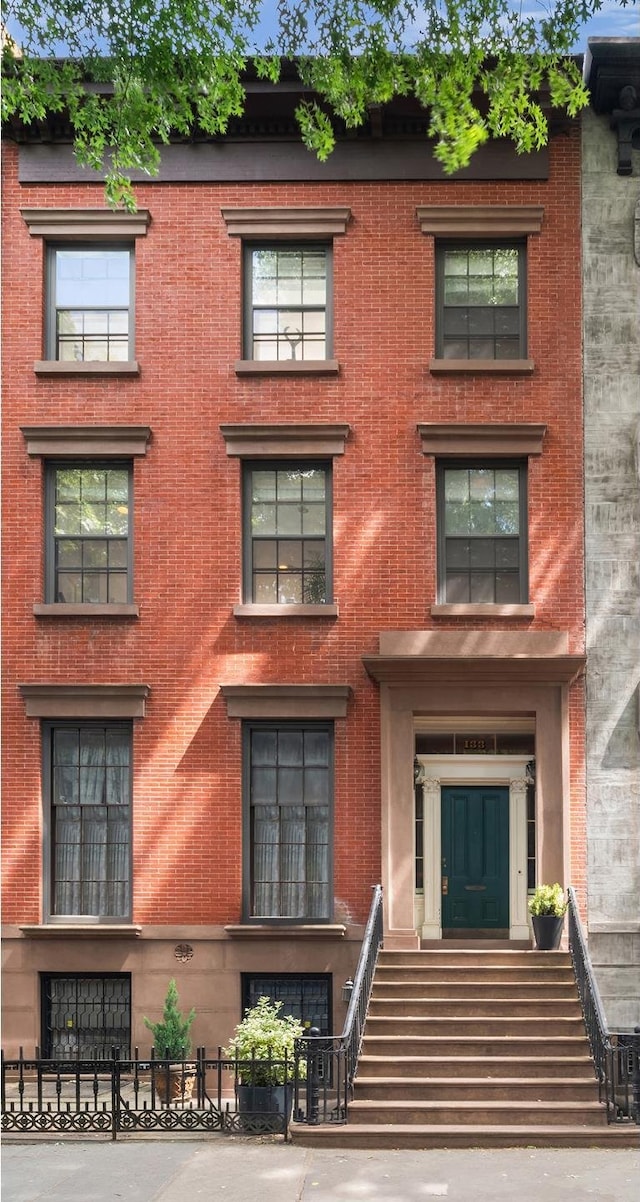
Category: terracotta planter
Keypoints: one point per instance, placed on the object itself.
(547, 929)
(180, 1083)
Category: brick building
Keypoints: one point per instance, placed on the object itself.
(293, 587)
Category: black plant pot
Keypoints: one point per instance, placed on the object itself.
(547, 929)
(256, 1100)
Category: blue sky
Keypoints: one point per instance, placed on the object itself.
(613, 20)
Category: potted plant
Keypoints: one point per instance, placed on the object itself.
(172, 1043)
(263, 1049)
(548, 906)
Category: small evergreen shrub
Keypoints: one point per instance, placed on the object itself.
(171, 1038)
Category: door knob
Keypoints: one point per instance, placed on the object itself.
(445, 885)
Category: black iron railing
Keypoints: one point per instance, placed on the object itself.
(332, 1063)
(616, 1054)
(119, 1094)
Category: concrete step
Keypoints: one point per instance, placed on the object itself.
(475, 1089)
(414, 1026)
(484, 1112)
(456, 1135)
(470, 973)
(474, 959)
(469, 1045)
(453, 988)
(559, 1067)
(474, 1007)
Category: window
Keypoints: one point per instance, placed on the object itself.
(287, 507)
(88, 532)
(481, 301)
(287, 315)
(87, 779)
(305, 997)
(90, 303)
(288, 797)
(85, 1016)
(482, 527)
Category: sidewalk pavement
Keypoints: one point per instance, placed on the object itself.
(240, 1169)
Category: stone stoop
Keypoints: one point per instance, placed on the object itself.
(473, 1048)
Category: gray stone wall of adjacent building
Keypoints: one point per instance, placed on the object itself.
(611, 249)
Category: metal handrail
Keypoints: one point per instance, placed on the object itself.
(353, 1029)
(616, 1056)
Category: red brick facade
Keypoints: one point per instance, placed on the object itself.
(186, 642)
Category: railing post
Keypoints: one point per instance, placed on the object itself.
(313, 1081)
(635, 1079)
(115, 1092)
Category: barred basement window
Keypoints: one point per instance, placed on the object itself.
(85, 1015)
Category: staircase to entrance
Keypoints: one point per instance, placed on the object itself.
(474, 1048)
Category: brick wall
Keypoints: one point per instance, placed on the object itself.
(187, 800)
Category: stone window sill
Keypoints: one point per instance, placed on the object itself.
(58, 367)
(287, 367)
(81, 930)
(60, 610)
(477, 367)
(483, 611)
(329, 930)
(285, 611)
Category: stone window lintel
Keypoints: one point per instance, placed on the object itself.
(488, 439)
(85, 225)
(96, 442)
(83, 701)
(286, 700)
(480, 221)
(284, 441)
(292, 224)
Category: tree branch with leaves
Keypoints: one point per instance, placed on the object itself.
(132, 74)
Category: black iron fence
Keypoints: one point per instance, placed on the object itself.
(616, 1054)
(118, 1095)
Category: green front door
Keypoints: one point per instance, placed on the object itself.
(475, 858)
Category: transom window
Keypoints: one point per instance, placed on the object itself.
(289, 789)
(287, 524)
(482, 533)
(90, 292)
(88, 508)
(287, 290)
(88, 781)
(481, 311)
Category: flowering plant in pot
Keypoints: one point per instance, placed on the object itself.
(263, 1048)
(548, 906)
(172, 1044)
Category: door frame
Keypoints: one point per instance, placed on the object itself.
(504, 770)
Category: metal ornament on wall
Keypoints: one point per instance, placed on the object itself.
(183, 952)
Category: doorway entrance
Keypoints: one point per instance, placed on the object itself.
(475, 861)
